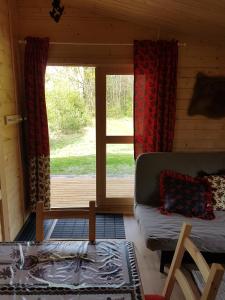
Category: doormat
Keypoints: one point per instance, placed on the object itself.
(108, 226)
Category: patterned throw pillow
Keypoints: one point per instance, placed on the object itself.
(185, 195)
(218, 191)
(203, 173)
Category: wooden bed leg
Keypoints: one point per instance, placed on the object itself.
(162, 262)
(161, 267)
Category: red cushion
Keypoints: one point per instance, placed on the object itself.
(186, 195)
(154, 297)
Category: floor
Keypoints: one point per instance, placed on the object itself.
(69, 191)
(148, 262)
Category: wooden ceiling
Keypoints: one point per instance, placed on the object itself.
(202, 18)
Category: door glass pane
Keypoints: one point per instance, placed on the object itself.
(70, 100)
(119, 104)
(119, 171)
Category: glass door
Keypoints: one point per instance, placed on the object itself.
(70, 99)
(114, 138)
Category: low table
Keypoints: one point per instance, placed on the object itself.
(66, 270)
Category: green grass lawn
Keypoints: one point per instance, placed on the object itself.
(74, 154)
(117, 165)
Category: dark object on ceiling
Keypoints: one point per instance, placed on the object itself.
(208, 97)
(57, 10)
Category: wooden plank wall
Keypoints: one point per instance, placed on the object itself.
(82, 26)
(10, 161)
(198, 133)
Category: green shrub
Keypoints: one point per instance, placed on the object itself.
(67, 111)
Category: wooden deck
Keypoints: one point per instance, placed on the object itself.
(78, 191)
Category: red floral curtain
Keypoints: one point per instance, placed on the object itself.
(155, 77)
(37, 139)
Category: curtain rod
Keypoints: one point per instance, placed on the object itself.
(93, 44)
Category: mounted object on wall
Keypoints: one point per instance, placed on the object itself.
(57, 10)
(208, 97)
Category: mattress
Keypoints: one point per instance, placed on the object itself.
(161, 232)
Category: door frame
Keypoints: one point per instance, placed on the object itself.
(104, 203)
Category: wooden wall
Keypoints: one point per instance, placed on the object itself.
(10, 160)
(198, 133)
(82, 26)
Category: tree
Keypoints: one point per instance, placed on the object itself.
(70, 94)
(67, 110)
(119, 96)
